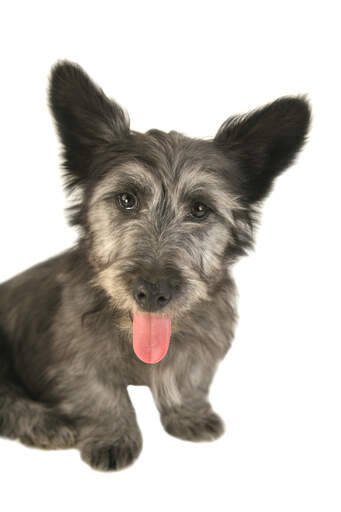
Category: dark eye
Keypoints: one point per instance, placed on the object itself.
(127, 201)
(200, 211)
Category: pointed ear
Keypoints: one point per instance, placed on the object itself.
(87, 121)
(264, 143)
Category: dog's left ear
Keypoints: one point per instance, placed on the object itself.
(87, 121)
(264, 143)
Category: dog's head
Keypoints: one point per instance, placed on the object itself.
(163, 214)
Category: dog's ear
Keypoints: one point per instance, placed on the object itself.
(87, 121)
(264, 143)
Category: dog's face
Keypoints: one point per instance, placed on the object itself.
(163, 214)
(160, 230)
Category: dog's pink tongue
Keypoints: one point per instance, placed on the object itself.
(151, 335)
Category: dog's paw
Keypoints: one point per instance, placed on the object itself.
(193, 427)
(50, 432)
(111, 456)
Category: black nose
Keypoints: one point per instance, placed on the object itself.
(152, 296)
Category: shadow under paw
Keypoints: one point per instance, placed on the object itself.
(111, 456)
(193, 427)
(50, 432)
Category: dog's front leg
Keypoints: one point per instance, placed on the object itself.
(110, 438)
(181, 395)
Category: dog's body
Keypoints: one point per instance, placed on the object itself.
(162, 218)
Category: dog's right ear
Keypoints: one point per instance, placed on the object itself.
(87, 121)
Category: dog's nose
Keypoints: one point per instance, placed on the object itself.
(152, 296)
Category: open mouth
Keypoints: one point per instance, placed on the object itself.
(151, 336)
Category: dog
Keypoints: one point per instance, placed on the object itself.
(146, 296)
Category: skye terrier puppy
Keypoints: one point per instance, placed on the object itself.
(146, 296)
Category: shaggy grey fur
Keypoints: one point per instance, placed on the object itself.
(66, 355)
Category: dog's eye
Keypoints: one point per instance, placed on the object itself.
(127, 201)
(200, 211)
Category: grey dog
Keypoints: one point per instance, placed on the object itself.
(146, 296)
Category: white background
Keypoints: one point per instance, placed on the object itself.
(187, 66)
